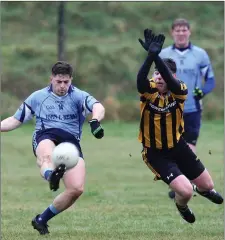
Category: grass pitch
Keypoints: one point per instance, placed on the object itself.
(121, 200)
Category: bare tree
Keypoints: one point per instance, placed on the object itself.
(61, 31)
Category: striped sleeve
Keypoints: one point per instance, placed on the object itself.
(182, 93)
(151, 90)
(87, 105)
(26, 111)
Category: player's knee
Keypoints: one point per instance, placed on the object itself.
(182, 186)
(76, 191)
(204, 181)
(209, 185)
(79, 190)
(44, 151)
(192, 147)
(205, 186)
(185, 192)
(44, 159)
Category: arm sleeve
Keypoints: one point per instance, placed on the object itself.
(142, 77)
(207, 74)
(181, 95)
(87, 103)
(172, 82)
(26, 111)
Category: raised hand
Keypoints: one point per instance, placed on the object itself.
(156, 44)
(148, 38)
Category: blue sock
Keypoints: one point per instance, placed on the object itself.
(49, 213)
(47, 173)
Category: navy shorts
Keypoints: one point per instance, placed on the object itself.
(192, 124)
(57, 136)
(169, 164)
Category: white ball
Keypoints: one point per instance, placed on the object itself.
(65, 153)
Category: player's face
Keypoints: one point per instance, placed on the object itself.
(60, 84)
(160, 83)
(181, 36)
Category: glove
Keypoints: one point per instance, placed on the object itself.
(198, 93)
(156, 45)
(149, 36)
(96, 128)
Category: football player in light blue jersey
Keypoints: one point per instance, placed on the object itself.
(60, 110)
(193, 65)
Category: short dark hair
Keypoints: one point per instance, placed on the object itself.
(180, 22)
(170, 63)
(63, 68)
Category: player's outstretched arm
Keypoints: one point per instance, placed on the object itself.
(172, 82)
(142, 77)
(98, 113)
(10, 124)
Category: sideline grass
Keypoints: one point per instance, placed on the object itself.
(121, 200)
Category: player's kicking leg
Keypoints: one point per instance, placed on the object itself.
(203, 185)
(74, 184)
(171, 193)
(168, 171)
(192, 123)
(53, 176)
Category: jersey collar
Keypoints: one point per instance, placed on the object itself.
(190, 46)
(69, 90)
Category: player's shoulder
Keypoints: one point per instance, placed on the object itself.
(198, 49)
(41, 92)
(179, 80)
(183, 84)
(167, 52)
(77, 92)
(168, 48)
(74, 89)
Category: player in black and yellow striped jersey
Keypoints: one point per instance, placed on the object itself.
(161, 115)
(164, 150)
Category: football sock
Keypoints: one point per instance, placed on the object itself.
(47, 173)
(49, 213)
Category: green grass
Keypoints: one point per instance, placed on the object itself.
(121, 200)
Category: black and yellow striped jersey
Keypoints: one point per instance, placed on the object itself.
(161, 117)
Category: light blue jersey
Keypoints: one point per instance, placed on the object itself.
(193, 64)
(51, 111)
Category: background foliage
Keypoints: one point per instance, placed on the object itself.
(102, 45)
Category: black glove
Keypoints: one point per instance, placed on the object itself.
(149, 36)
(96, 128)
(198, 93)
(156, 45)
